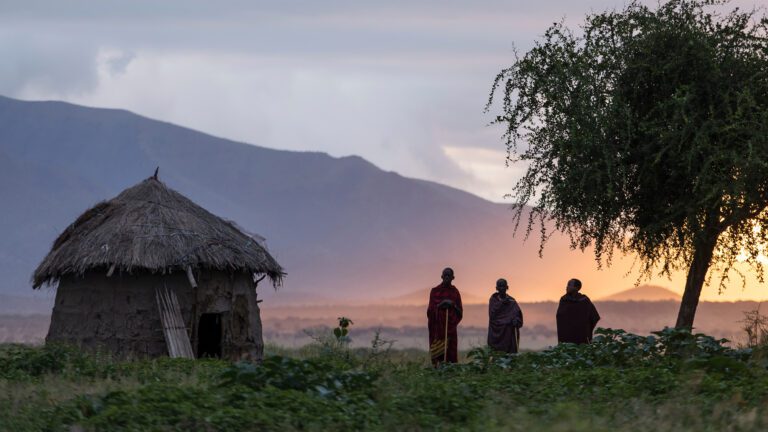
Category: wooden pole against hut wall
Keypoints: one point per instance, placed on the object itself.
(182, 338)
(195, 299)
(174, 330)
(171, 325)
(164, 323)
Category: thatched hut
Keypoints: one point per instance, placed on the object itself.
(149, 273)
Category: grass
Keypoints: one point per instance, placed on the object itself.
(671, 381)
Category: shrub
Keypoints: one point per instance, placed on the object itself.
(21, 361)
(314, 376)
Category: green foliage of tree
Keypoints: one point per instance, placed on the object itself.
(647, 133)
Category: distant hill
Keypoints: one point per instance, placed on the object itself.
(342, 228)
(286, 325)
(408, 324)
(421, 297)
(644, 293)
(16, 305)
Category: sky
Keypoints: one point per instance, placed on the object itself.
(401, 83)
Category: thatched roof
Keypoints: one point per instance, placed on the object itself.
(152, 227)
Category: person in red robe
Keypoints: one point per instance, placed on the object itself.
(444, 303)
(576, 316)
(504, 320)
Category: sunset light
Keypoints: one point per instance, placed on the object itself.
(403, 215)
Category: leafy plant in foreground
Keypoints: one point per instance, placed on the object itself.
(623, 381)
(25, 361)
(618, 348)
(342, 330)
(320, 378)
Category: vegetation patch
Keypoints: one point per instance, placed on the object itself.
(670, 380)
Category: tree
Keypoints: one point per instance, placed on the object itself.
(647, 133)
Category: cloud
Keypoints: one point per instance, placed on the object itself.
(46, 62)
(402, 83)
(488, 166)
(295, 107)
(118, 62)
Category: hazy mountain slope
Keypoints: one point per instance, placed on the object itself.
(38, 202)
(419, 298)
(644, 293)
(342, 227)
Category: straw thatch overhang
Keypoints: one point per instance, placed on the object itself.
(150, 227)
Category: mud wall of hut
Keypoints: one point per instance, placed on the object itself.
(234, 297)
(119, 314)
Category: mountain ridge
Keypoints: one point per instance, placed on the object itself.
(644, 293)
(343, 228)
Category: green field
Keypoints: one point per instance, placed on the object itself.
(670, 381)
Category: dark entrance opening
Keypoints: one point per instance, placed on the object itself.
(209, 335)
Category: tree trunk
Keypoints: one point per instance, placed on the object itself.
(702, 258)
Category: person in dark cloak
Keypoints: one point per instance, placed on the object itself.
(444, 302)
(576, 316)
(504, 320)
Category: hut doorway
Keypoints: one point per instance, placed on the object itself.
(209, 335)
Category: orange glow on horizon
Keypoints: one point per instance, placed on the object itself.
(602, 283)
